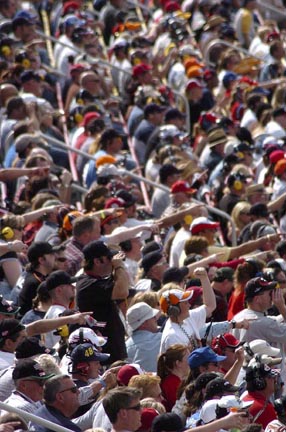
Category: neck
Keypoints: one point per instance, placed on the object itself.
(42, 269)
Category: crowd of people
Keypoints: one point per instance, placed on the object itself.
(143, 200)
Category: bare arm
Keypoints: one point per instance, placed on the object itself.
(233, 420)
(14, 173)
(250, 246)
(121, 279)
(129, 233)
(45, 326)
(12, 270)
(276, 204)
(193, 209)
(208, 293)
(233, 372)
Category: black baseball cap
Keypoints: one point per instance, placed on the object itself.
(97, 249)
(29, 75)
(85, 353)
(57, 278)
(128, 198)
(151, 259)
(9, 327)
(30, 347)
(175, 274)
(7, 308)
(256, 286)
(169, 422)
(223, 273)
(219, 386)
(29, 368)
(38, 250)
(174, 113)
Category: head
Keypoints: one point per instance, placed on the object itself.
(59, 286)
(86, 229)
(175, 303)
(61, 393)
(85, 361)
(41, 257)
(203, 226)
(141, 316)
(154, 265)
(204, 360)
(149, 385)
(97, 258)
(226, 345)
(261, 378)
(12, 333)
(174, 360)
(258, 294)
(122, 406)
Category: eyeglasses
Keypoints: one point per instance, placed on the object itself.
(135, 407)
(72, 389)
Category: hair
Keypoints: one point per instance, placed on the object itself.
(14, 103)
(144, 382)
(246, 271)
(149, 402)
(194, 392)
(12, 221)
(149, 297)
(195, 244)
(94, 200)
(167, 360)
(239, 208)
(52, 387)
(83, 224)
(49, 364)
(7, 325)
(117, 399)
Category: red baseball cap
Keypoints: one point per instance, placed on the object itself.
(78, 67)
(225, 340)
(88, 117)
(141, 69)
(114, 203)
(193, 83)
(182, 186)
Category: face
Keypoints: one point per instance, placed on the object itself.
(94, 234)
(92, 83)
(185, 307)
(69, 292)
(183, 364)
(133, 415)
(67, 397)
(61, 262)
(94, 369)
(48, 261)
(151, 325)
(136, 248)
(156, 392)
(116, 145)
(159, 268)
(34, 388)
(265, 300)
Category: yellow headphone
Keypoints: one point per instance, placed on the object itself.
(6, 50)
(237, 185)
(8, 233)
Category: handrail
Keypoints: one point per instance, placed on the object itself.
(31, 417)
(229, 45)
(271, 7)
(147, 181)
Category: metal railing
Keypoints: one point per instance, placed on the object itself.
(229, 45)
(272, 8)
(32, 418)
(147, 181)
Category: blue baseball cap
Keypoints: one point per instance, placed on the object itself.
(201, 356)
(85, 353)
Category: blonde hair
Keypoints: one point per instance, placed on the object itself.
(149, 297)
(240, 207)
(152, 403)
(144, 382)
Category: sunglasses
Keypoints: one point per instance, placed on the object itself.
(61, 259)
(135, 407)
(72, 389)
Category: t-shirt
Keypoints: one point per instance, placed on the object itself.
(175, 333)
(263, 411)
(95, 294)
(169, 386)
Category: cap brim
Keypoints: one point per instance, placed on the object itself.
(45, 377)
(102, 357)
(220, 358)
(187, 296)
(12, 312)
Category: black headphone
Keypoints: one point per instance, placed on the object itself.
(280, 406)
(173, 308)
(248, 350)
(257, 380)
(235, 180)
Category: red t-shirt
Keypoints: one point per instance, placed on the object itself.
(235, 305)
(169, 386)
(262, 406)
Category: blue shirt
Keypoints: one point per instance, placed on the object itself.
(143, 348)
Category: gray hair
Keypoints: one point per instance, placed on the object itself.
(52, 387)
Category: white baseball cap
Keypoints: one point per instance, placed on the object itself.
(88, 335)
(260, 346)
(139, 313)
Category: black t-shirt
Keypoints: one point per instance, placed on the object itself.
(94, 294)
(29, 290)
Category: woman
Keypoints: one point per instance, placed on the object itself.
(241, 217)
(172, 368)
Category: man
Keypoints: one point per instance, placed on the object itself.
(85, 366)
(12, 332)
(257, 193)
(144, 344)
(225, 344)
(153, 117)
(29, 379)
(181, 192)
(168, 175)
(154, 264)
(132, 251)
(104, 280)
(222, 285)
(216, 143)
(23, 27)
(260, 384)
(41, 262)
(60, 403)
(62, 293)
(276, 127)
(122, 406)
(244, 23)
(279, 186)
(236, 183)
(85, 229)
(183, 325)
(259, 296)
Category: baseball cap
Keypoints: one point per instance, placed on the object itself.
(223, 341)
(259, 209)
(259, 369)
(260, 346)
(127, 197)
(139, 313)
(147, 417)
(30, 347)
(29, 368)
(219, 386)
(10, 327)
(114, 203)
(182, 186)
(151, 259)
(175, 274)
(197, 292)
(7, 307)
(57, 278)
(88, 117)
(39, 249)
(276, 155)
(231, 401)
(173, 297)
(24, 18)
(127, 371)
(201, 356)
(86, 335)
(257, 286)
(228, 78)
(280, 167)
(86, 352)
(193, 83)
(153, 108)
(140, 69)
(223, 273)
(29, 75)
(168, 422)
(201, 223)
(174, 113)
(107, 170)
(97, 249)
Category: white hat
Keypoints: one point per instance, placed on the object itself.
(260, 346)
(88, 335)
(201, 223)
(231, 401)
(265, 359)
(139, 313)
(107, 170)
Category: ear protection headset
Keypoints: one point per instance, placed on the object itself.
(216, 344)
(6, 50)
(235, 181)
(280, 406)
(258, 381)
(173, 305)
(248, 350)
(8, 233)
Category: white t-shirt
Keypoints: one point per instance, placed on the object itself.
(53, 312)
(173, 333)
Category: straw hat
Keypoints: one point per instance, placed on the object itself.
(216, 137)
